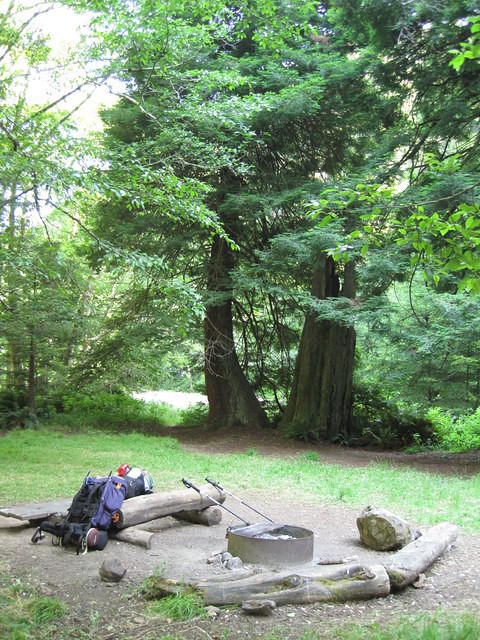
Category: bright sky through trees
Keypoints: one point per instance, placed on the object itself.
(63, 30)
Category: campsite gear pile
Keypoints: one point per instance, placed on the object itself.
(95, 508)
(139, 481)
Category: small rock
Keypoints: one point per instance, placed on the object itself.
(216, 558)
(420, 581)
(258, 607)
(349, 559)
(233, 563)
(212, 612)
(112, 570)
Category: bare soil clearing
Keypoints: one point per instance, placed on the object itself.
(181, 551)
(268, 442)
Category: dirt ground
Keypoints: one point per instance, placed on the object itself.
(268, 442)
(180, 551)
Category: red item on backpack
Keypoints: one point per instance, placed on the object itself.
(123, 469)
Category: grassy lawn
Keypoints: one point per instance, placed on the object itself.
(46, 463)
(25, 614)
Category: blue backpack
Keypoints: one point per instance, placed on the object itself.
(93, 510)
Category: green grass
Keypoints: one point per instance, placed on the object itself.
(184, 605)
(48, 463)
(25, 614)
(441, 626)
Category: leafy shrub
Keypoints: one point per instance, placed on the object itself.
(376, 420)
(195, 415)
(13, 409)
(115, 410)
(151, 587)
(381, 421)
(455, 433)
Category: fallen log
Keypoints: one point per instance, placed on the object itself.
(138, 537)
(353, 582)
(142, 534)
(157, 525)
(208, 517)
(406, 565)
(154, 505)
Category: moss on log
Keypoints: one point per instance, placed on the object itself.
(318, 584)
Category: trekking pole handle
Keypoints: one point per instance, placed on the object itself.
(215, 484)
(189, 485)
(220, 488)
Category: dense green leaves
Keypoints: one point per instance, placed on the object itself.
(283, 133)
(470, 50)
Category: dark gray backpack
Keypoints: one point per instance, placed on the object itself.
(94, 507)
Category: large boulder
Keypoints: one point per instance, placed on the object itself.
(383, 531)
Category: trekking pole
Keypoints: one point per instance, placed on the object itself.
(220, 488)
(188, 484)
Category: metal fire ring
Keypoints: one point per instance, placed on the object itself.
(271, 544)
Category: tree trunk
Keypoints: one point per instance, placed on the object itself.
(32, 364)
(32, 409)
(15, 374)
(232, 401)
(72, 341)
(320, 403)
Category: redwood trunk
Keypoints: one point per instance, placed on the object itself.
(320, 403)
(231, 399)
